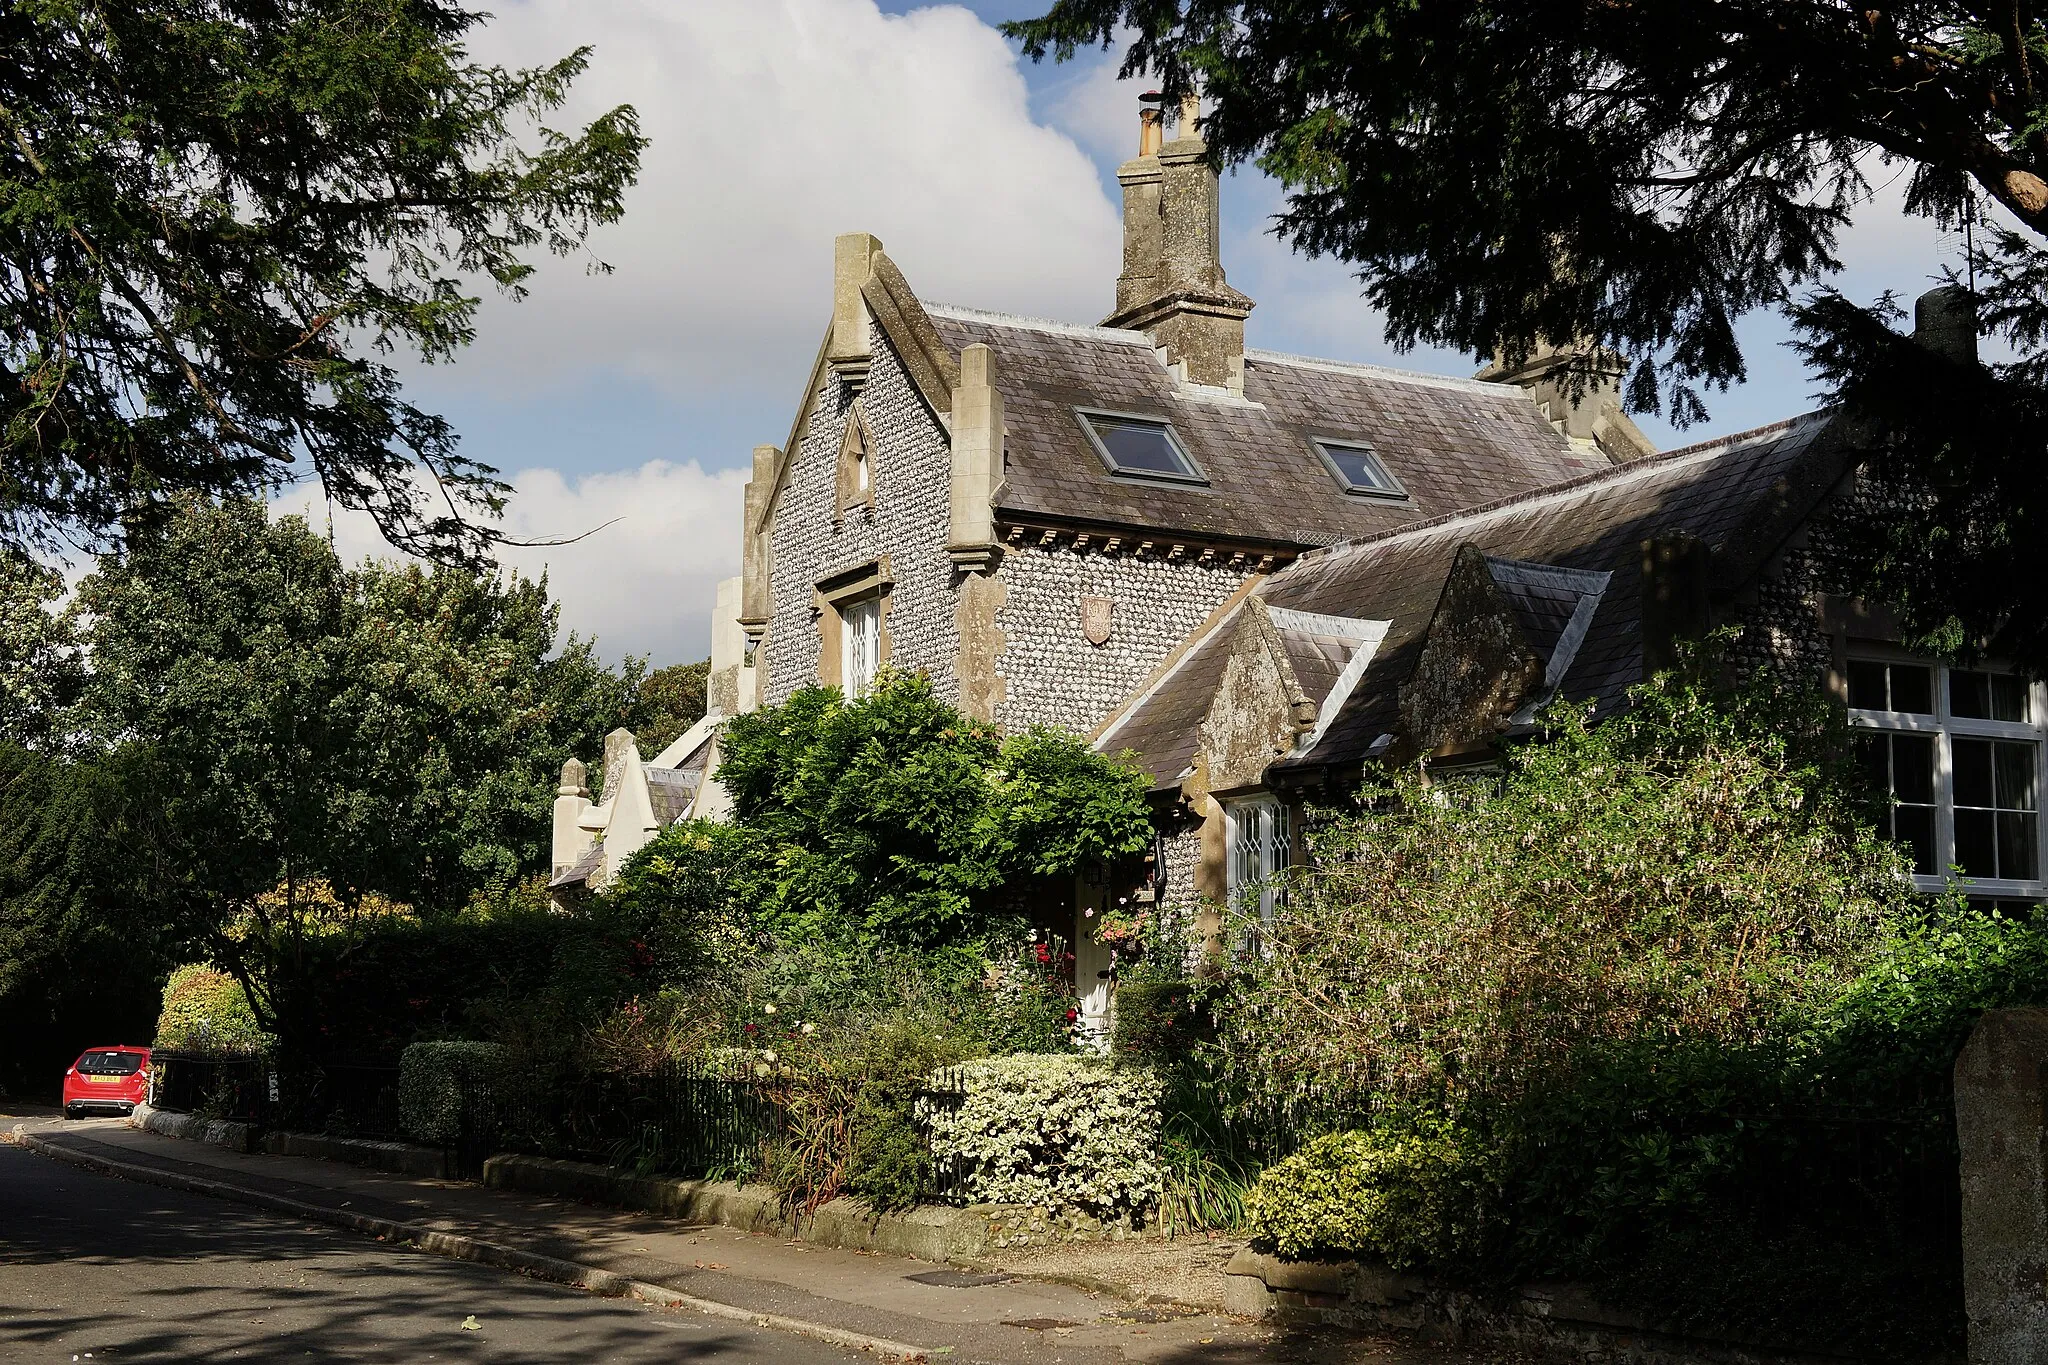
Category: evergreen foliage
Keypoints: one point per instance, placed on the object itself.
(1650, 1008)
(206, 1010)
(1506, 174)
(891, 819)
(218, 214)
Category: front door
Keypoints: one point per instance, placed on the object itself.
(1093, 964)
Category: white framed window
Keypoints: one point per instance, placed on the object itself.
(1261, 851)
(1960, 751)
(860, 645)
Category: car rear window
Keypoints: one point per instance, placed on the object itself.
(110, 1063)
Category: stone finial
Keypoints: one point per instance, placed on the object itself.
(573, 776)
(617, 745)
(755, 542)
(853, 257)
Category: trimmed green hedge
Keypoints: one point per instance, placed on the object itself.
(1058, 1131)
(206, 1010)
(430, 1086)
(1413, 1197)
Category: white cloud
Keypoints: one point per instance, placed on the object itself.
(641, 584)
(776, 124)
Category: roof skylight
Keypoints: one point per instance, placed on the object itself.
(1143, 447)
(1357, 469)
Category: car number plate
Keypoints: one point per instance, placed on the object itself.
(105, 1080)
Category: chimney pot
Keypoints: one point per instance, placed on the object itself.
(1945, 322)
(1151, 131)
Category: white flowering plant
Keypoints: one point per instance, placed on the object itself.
(1063, 1132)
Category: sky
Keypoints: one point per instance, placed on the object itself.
(632, 399)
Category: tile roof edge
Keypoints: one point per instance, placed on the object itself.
(1422, 377)
(1535, 497)
(956, 313)
(1134, 701)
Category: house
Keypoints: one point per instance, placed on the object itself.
(1441, 639)
(1259, 573)
(1037, 514)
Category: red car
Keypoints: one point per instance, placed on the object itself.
(108, 1080)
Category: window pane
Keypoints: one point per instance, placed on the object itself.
(1972, 759)
(1969, 694)
(1976, 843)
(2009, 697)
(1913, 826)
(1357, 467)
(1137, 447)
(2014, 770)
(2016, 837)
(1912, 688)
(1913, 767)
(1866, 686)
(1874, 758)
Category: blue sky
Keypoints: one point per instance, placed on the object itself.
(638, 395)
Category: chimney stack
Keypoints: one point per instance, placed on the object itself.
(1172, 288)
(1945, 322)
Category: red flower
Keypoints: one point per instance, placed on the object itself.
(1072, 1015)
(1044, 953)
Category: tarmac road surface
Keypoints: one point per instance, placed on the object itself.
(114, 1271)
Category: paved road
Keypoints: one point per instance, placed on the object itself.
(123, 1271)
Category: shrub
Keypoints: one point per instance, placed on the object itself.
(849, 1119)
(206, 1010)
(1058, 1132)
(1671, 872)
(1412, 1197)
(894, 819)
(432, 1080)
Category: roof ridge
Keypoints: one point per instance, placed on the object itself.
(1423, 377)
(960, 313)
(1783, 424)
(1622, 473)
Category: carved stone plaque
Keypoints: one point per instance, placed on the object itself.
(1095, 618)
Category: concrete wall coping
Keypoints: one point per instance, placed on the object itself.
(236, 1137)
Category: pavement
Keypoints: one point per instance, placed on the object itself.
(201, 1269)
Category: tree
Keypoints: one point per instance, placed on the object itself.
(40, 668)
(669, 701)
(216, 214)
(889, 821)
(1639, 175)
(325, 742)
(85, 882)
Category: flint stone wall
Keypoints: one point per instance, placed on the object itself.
(910, 466)
(1052, 674)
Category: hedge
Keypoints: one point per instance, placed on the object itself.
(206, 1010)
(431, 1082)
(1057, 1131)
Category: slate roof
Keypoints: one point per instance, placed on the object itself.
(1451, 443)
(670, 791)
(580, 873)
(1743, 495)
